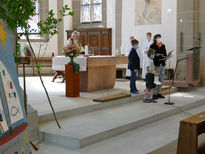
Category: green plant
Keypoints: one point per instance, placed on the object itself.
(72, 51)
(17, 13)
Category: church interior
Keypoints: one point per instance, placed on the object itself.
(102, 76)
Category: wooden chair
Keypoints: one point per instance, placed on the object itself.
(189, 130)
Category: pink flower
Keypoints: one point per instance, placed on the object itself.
(73, 51)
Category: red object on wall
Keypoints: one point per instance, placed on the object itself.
(72, 81)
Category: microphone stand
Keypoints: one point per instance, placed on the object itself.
(169, 96)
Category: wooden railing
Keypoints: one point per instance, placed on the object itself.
(46, 61)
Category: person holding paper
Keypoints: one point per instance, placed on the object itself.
(160, 64)
(145, 49)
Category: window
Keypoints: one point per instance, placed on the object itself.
(91, 11)
(33, 30)
(86, 11)
(97, 11)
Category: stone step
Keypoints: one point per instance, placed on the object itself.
(94, 107)
(89, 128)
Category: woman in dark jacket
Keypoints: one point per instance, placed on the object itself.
(159, 63)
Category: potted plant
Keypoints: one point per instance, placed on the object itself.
(71, 50)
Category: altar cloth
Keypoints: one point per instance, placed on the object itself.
(59, 62)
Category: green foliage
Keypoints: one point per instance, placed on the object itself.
(50, 25)
(76, 66)
(18, 49)
(72, 51)
(17, 12)
(39, 67)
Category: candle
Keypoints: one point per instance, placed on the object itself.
(117, 52)
(86, 50)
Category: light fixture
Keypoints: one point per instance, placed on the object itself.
(169, 10)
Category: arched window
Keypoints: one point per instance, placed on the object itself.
(91, 11)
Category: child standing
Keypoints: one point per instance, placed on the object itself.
(134, 66)
(150, 86)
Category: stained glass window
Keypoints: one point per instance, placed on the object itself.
(33, 23)
(97, 11)
(85, 11)
(91, 11)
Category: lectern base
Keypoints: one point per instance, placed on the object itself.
(169, 103)
(72, 82)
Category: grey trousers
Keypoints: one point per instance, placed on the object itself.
(161, 71)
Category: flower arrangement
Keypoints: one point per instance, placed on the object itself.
(72, 51)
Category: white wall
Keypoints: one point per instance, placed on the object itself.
(111, 20)
(53, 43)
(68, 20)
(167, 29)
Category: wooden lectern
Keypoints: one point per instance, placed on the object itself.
(192, 78)
(72, 81)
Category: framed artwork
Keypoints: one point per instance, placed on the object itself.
(148, 12)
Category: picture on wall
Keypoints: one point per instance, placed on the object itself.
(148, 12)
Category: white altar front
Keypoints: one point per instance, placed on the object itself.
(59, 62)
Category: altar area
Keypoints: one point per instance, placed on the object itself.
(66, 106)
(96, 72)
(61, 103)
(85, 122)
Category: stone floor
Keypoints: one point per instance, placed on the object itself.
(139, 141)
(37, 98)
(85, 129)
(142, 140)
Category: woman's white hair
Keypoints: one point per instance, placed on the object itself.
(75, 32)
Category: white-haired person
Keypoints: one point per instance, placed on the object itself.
(75, 36)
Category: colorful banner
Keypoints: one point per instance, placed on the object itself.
(13, 121)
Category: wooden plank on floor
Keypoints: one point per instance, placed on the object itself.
(112, 97)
